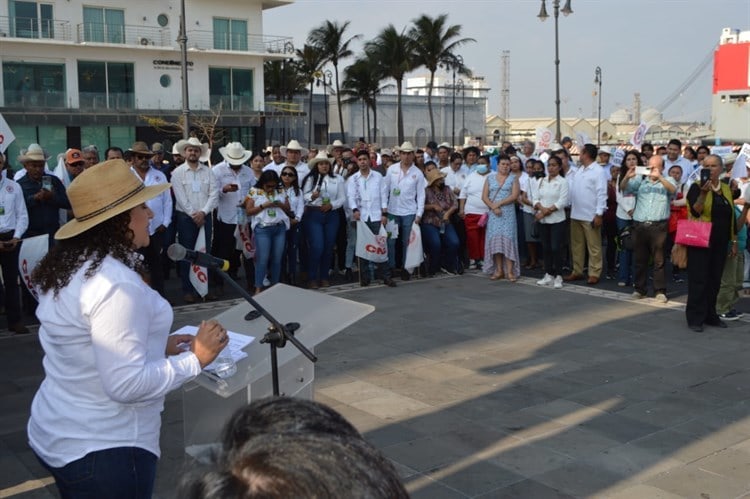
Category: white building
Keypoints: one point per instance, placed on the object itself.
(78, 73)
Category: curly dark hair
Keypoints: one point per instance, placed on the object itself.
(112, 237)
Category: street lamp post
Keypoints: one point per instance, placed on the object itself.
(598, 80)
(182, 40)
(326, 77)
(288, 49)
(458, 62)
(566, 10)
(460, 84)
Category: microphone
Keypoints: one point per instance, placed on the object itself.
(177, 252)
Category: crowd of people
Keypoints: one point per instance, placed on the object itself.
(289, 214)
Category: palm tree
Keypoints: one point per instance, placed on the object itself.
(435, 44)
(330, 39)
(394, 53)
(310, 60)
(362, 81)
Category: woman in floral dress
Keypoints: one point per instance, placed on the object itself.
(501, 241)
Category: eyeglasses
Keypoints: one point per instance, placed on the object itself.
(141, 156)
(288, 174)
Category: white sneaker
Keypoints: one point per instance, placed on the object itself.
(558, 282)
(546, 280)
(266, 282)
(636, 295)
(661, 298)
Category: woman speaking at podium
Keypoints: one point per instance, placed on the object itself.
(109, 360)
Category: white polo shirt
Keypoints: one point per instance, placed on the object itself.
(406, 190)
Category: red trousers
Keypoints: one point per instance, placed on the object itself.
(474, 237)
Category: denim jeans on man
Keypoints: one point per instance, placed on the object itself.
(269, 250)
(441, 249)
(320, 231)
(625, 272)
(404, 231)
(187, 233)
(118, 473)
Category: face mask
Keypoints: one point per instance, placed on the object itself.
(481, 169)
(440, 186)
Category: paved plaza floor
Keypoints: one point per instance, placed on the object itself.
(476, 388)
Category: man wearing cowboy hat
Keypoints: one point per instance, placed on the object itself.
(406, 188)
(234, 179)
(196, 195)
(293, 153)
(161, 206)
(33, 153)
(45, 196)
(14, 221)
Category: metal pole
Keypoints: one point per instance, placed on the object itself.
(598, 79)
(453, 128)
(556, 5)
(182, 40)
(463, 107)
(327, 80)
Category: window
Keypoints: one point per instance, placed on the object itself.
(30, 84)
(162, 20)
(103, 25)
(106, 85)
(230, 88)
(31, 20)
(230, 34)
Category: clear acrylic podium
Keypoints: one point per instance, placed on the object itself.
(208, 404)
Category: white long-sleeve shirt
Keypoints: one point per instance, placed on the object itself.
(14, 217)
(549, 193)
(368, 194)
(588, 192)
(194, 189)
(106, 375)
(455, 179)
(472, 192)
(160, 205)
(406, 190)
(229, 201)
(331, 188)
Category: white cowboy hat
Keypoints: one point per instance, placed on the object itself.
(337, 144)
(406, 147)
(192, 142)
(33, 153)
(294, 146)
(177, 145)
(322, 156)
(235, 154)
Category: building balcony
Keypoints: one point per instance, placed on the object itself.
(258, 44)
(35, 98)
(123, 34)
(35, 29)
(111, 100)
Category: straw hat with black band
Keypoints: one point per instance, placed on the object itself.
(102, 192)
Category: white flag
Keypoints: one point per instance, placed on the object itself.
(244, 240)
(543, 138)
(199, 275)
(414, 253)
(370, 246)
(6, 134)
(639, 135)
(582, 140)
(32, 250)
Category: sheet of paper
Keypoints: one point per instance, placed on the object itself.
(237, 342)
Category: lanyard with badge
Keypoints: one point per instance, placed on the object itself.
(272, 210)
(397, 190)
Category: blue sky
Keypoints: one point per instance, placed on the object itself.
(646, 46)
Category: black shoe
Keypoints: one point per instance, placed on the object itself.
(405, 276)
(696, 327)
(365, 282)
(348, 275)
(460, 268)
(390, 282)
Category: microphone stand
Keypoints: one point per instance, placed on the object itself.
(277, 335)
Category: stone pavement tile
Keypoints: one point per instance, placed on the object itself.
(686, 447)
(633, 462)
(521, 424)
(626, 393)
(579, 479)
(731, 463)
(403, 472)
(609, 372)
(356, 391)
(737, 358)
(440, 372)
(527, 489)
(501, 401)
(618, 427)
(437, 423)
(673, 409)
(690, 373)
(390, 434)
(641, 491)
(418, 389)
(587, 356)
(692, 481)
(478, 440)
(476, 478)
(326, 377)
(391, 405)
(564, 411)
(424, 454)
(673, 355)
(577, 443)
(556, 386)
(363, 421)
(407, 361)
(428, 489)
(735, 418)
(529, 459)
(731, 388)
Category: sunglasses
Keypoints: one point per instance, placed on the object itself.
(288, 174)
(141, 156)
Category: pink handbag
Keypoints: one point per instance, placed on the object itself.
(693, 233)
(482, 222)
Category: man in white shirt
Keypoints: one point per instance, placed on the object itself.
(196, 195)
(527, 152)
(293, 153)
(367, 196)
(161, 206)
(430, 152)
(406, 188)
(234, 180)
(455, 173)
(673, 157)
(588, 200)
(14, 220)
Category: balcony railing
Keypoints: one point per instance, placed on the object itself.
(35, 28)
(123, 34)
(112, 100)
(263, 44)
(35, 98)
(231, 103)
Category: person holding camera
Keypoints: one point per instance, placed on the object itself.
(651, 223)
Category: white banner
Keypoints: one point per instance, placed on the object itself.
(199, 275)
(244, 241)
(618, 157)
(742, 163)
(639, 135)
(582, 140)
(370, 246)
(544, 138)
(414, 253)
(32, 251)
(6, 134)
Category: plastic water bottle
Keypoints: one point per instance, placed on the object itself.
(241, 215)
(225, 367)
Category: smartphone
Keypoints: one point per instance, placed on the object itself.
(46, 183)
(705, 175)
(642, 170)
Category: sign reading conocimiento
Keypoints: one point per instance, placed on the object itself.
(170, 64)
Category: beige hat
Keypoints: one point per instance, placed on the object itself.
(235, 154)
(178, 145)
(322, 156)
(433, 176)
(103, 191)
(294, 146)
(445, 145)
(33, 153)
(337, 144)
(386, 152)
(191, 142)
(140, 148)
(406, 147)
(157, 147)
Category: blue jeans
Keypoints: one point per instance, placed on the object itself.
(441, 249)
(404, 230)
(351, 243)
(187, 233)
(269, 250)
(625, 272)
(320, 231)
(119, 473)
